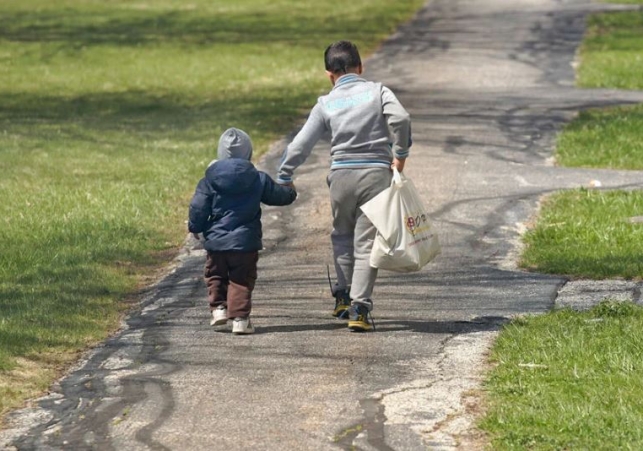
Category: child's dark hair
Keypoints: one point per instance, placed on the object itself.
(341, 56)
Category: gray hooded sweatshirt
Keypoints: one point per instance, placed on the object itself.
(367, 124)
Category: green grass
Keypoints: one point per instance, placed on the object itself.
(588, 234)
(611, 57)
(568, 381)
(612, 52)
(603, 138)
(109, 113)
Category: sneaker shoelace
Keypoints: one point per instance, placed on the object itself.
(372, 320)
(365, 317)
(330, 283)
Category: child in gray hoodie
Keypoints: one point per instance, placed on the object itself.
(370, 133)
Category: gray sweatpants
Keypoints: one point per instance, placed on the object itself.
(353, 233)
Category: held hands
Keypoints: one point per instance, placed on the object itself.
(398, 164)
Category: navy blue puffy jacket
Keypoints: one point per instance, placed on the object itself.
(226, 206)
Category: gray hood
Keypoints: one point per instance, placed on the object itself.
(234, 143)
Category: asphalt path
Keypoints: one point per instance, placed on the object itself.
(488, 84)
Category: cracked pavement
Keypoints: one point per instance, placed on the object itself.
(488, 84)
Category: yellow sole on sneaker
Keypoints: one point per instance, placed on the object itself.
(341, 312)
(359, 326)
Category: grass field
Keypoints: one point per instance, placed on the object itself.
(588, 234)
(569, 381)
(109, 113)
(610, 138)
(611, 51)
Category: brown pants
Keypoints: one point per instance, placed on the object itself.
(230, 277)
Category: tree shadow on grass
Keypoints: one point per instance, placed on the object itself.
(148, 115)
(74, 29)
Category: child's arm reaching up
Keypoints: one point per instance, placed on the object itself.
(275, 194)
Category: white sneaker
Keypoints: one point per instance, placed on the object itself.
(242, 326)
(219, 316)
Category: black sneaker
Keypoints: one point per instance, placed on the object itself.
(358, 319)
(342, 303)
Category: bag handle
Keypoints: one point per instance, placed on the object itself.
(397, 176)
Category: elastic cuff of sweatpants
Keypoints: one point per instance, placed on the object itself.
(363, 302)
(336, 289)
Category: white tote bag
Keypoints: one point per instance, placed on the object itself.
(406, 240)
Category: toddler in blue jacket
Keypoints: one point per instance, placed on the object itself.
(226, 209)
